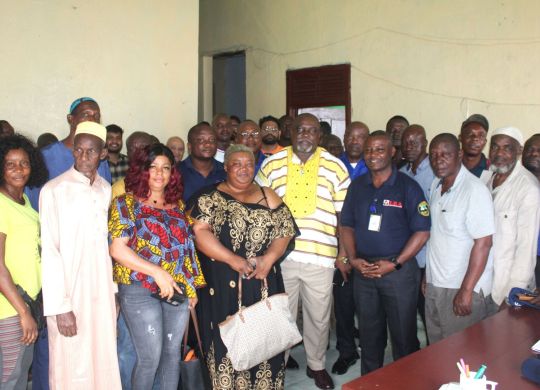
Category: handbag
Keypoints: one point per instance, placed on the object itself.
(259, 332)
(35, 305)
(193, 372)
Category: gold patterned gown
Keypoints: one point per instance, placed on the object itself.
(247, 230)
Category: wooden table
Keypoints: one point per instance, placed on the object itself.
(502, 342)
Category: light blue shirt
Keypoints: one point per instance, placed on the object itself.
(424, 177)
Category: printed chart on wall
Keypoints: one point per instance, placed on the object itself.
(334, 115)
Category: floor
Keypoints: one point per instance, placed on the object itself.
(297, 379)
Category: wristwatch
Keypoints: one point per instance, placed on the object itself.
(393, 260)
(343, 259)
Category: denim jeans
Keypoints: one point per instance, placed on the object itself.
(156, 330)
(126, 353)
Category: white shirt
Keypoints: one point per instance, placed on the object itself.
(220, 155)
(517, 215)
(458, 217)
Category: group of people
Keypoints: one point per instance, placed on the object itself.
(381, 225)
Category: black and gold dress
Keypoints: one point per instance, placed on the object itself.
(248, 230)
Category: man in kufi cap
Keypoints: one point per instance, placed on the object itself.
(58, 157)
(78, 291)
(516, 199)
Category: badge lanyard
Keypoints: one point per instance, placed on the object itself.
(375, 217)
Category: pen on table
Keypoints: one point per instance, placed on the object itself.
(460, 368)
(480, 371)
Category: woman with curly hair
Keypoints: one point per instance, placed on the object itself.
(152, 243)
(22, 166)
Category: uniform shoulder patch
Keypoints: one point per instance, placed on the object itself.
(423, 209)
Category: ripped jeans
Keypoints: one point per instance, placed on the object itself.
(156, 329)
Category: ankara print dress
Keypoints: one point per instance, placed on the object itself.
(248, 230)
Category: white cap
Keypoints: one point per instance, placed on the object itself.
(510, 131)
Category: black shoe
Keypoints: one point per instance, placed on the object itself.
(292, 364)
(341, 366)
(321, 377)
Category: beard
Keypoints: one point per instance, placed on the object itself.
(502, 169)
(270, 139)
(304, 147)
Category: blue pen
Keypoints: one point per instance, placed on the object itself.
(480, 372)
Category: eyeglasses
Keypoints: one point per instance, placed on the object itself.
(245, 134)
(270, 129)
(307, 130)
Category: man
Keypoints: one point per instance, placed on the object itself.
(45, 140)
(118, 162)
(270, 135)
(59, 156)
(384, 223)
(235, 121)
(394, 128)
(135, 141)
(6, 129)
(177, 146)
(200, 169)
(249, 134)
(332, 143)
(473, 138)
(355, 137)
(417, 167)
(285, 125)
(313, 184)
(222, 127)
(78, 291)
(516, 196)
(458, 274)
(531, 161)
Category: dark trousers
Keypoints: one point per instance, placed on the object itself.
(421, 307)
(344, 312)
(389, 301)
(40, 364)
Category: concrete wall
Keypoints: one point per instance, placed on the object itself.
(137, 58)
(435, 62)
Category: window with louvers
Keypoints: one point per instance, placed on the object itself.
(323, 86)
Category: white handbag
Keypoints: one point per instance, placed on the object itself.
(259, 332)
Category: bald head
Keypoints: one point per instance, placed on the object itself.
(137, 140)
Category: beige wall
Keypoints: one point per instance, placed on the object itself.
(137, 58)
(435, 62)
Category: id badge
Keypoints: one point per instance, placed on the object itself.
(374, 222)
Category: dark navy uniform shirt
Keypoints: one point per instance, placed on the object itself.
(403, 207)
(193, 181)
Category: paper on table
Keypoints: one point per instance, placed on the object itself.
(536, 347)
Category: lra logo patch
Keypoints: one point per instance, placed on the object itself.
(423, 209)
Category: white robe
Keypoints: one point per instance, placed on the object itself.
(77, 276)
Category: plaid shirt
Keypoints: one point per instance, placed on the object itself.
(118, 170)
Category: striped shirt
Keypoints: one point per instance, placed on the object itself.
(317, 243)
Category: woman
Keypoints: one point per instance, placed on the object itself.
(22, 165)
(151, 242)
(243, 230)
